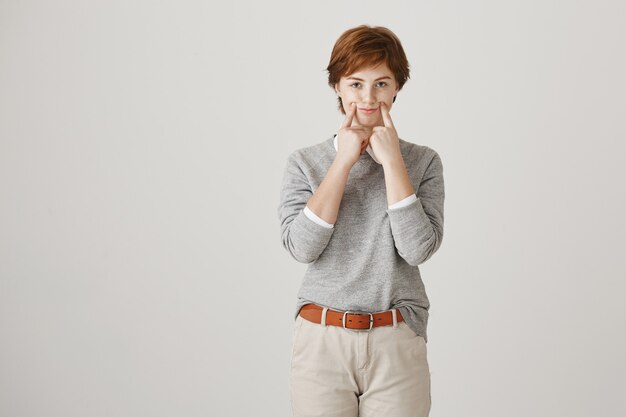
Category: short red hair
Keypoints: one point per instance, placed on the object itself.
(367, 46)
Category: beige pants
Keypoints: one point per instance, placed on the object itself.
(337, 372)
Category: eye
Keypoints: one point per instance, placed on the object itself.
(381, 83)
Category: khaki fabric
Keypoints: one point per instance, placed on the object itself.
(337, 372)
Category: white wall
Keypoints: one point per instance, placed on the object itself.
(142, 146)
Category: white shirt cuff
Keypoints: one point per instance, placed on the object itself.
(316, 218)
(404, 202)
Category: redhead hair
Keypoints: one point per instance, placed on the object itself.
(367, 46)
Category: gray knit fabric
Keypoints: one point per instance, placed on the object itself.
(369, 261)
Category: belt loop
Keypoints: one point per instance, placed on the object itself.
(324, 310)
(394, 317)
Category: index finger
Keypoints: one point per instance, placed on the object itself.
(348, 120)
(386, 117)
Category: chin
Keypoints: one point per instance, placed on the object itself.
(369, 121)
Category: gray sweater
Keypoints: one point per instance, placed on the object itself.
(369, 260)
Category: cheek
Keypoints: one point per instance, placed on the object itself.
(388, 99)
(347, 101)
(349, 98)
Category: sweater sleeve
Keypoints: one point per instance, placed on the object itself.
(417, 228)
(302, 237)
(317, 219)
(404, 202)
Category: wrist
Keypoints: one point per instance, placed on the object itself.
(397, 161)
(342, 164)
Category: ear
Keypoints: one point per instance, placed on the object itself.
(336, 88)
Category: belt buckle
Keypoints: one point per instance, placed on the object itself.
(363, 314)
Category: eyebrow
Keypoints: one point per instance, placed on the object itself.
(377, 79)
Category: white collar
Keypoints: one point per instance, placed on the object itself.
(368, 149)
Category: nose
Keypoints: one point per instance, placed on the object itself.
(368, 96)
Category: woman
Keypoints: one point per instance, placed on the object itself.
(363, 209)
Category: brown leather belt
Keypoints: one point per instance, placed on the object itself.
(347, 319)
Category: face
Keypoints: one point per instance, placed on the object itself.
(367, 88)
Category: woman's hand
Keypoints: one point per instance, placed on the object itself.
(352, 140)
(384, 139)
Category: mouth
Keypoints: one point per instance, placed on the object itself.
(367, 111)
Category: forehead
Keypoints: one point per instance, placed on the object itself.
(371, 73)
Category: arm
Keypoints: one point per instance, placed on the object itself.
(404, 202)
(327, 198)
(417, 228)
(316, 218)
(303, 237)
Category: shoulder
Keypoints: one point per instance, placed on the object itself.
(312, 155)
(414, 153)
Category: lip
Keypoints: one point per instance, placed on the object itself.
(367, 111)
